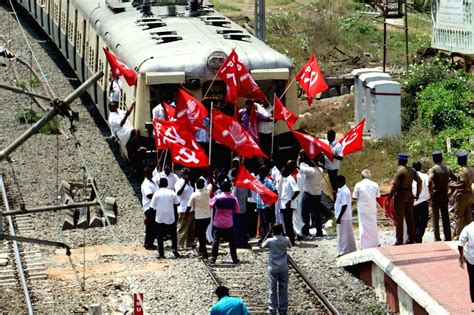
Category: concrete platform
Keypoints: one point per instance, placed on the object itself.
(414, 279)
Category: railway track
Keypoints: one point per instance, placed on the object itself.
(249, 281)
(23, 267)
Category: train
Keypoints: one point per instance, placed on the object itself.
(169, 43)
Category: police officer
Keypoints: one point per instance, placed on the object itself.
(403, 202)
(463, 194)
(439, 176)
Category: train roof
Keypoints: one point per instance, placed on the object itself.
(134, 43)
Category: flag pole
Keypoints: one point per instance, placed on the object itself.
(273, 126)
(286, 90)
(210, 132)
(210, 85)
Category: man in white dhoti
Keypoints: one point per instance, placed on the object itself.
(345, 234)
(365, 193)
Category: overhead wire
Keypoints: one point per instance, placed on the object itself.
(31, 49)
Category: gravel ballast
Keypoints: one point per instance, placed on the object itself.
(114, 270)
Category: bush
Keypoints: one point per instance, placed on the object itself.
(443, 105)
(418, 77)
(29, 116)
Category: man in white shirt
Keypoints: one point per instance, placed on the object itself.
(311, 200)
(421, 205)
(166, 173)
(148, 188)
(121, 128)
(164, 202)
(186, 226)
(114, 88)
(333, 166)
(366, 193)
(466, 254)
(158, 112)
(288, 202)
(199, 203)
(343, 211)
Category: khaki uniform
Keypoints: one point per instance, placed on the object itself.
(462, 198)
(403, 202)
(439, 178)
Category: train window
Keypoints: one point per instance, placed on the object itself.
(123, 101)
(56, 13)
(63, 21)
(216, 92)
(271, 87)
(100, 67)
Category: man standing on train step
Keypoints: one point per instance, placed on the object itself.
(403, 202)
(439, 176)
(463, 194)
(332, 167)
(124, 131)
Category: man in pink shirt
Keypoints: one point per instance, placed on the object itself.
(223, 206)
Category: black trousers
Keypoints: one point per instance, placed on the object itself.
(226, 235)
(163, 230)
(470, 272)
(150, 227)
(288, 221)
(201, 227)
(265, 142)
(311, 213)
(267, 219)
(421, 213)
(332, 179)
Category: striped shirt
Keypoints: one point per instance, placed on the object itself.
(224, 205)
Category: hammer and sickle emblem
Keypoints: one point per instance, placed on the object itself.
(187, 156)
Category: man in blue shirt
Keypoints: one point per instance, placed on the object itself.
(228, 305)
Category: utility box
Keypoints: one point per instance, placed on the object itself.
(384, 109)
(359, 90)
(365, 79)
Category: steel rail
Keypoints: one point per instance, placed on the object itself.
(310, 284)
(211, 272)
(16, 250)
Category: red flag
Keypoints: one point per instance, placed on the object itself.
(169, 110)
(189, 107)
(239, 80)
(189, 156)
(282, 113)
(387, 204)
(352, 141)
(253, 123)
(118, 68)
(312, 146)
(311, 79)
(167, 132)
(185, 150)
(246, 180)
(230, 133)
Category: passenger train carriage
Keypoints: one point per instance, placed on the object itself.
(179, 42)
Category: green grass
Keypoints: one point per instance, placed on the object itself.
(224, 6)
(29, 116)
